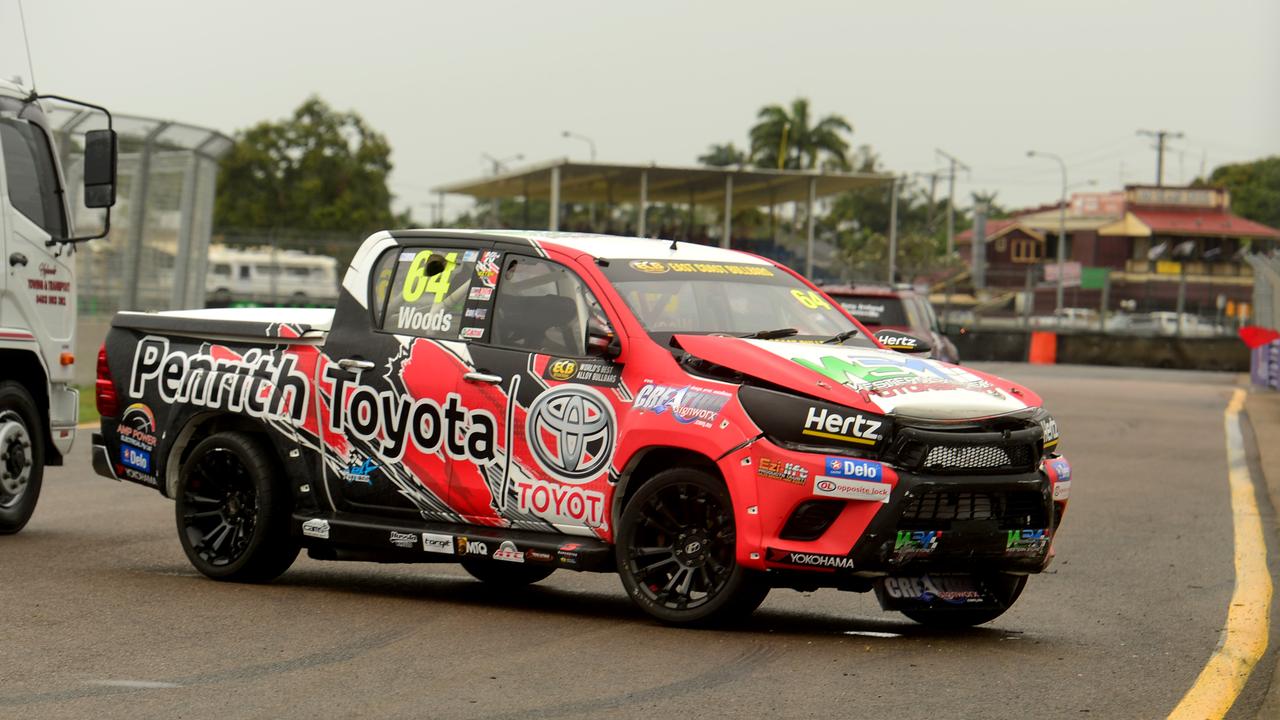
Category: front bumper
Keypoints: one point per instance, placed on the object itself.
(924, 523)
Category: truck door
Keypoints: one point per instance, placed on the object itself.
(555, 404)
(389, 385)
(39, 295)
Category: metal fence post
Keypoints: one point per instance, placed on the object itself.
(138, 220)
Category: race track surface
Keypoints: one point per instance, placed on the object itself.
(101, 615)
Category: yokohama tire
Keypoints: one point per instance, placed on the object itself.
(676, 552)
(21, 456)
(233, 512)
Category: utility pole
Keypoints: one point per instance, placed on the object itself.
(893, 230)
(1161, 136)
(951, 199)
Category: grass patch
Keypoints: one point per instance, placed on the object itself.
(88, 406)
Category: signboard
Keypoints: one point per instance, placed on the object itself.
(1178, 197)
(1070, 273)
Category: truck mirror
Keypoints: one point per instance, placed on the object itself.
(100, 168)
(902, 342)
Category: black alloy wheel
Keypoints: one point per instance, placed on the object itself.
(676, 551)
(233, 517)
(1006, 589)
(21, 457)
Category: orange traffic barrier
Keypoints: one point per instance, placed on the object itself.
(1043, 349)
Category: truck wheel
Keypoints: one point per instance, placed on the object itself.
(21, 457)
(232, 512)
(676, 552)
(1007, 588)
(504, 574)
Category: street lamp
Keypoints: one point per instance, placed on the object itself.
(1062, 225)
(499, 164)
(591, 206)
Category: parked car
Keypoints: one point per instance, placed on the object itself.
(895, 308)
(701, 421)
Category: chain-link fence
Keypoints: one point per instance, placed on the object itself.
(155, 255)
(1265, 363)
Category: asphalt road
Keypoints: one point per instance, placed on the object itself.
(101, 616)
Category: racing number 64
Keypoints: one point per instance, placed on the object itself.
(810, 299)
(418, 282)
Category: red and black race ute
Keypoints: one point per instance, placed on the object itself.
(703, 422)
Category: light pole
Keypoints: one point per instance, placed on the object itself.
(1062, 226)
(499, 164)
(591, 206)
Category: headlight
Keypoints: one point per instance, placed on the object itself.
(1049, 429)
(797, 421)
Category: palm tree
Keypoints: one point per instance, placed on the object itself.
(723, 156)
(784, 139)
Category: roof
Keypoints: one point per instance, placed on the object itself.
(607, 182)
(1202, 223)
(607, 247)
(999, 227)
(865, 291)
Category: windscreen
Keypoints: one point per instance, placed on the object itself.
(729, 298)
(875, 311)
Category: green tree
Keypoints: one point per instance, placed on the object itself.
(786, 138)
(1254, 187)
(723, 156)
(319, 170)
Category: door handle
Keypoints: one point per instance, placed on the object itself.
(479, 377)
(354, 364)
(17, 259)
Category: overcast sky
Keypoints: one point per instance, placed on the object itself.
(660, 81)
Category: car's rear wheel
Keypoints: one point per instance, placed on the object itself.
(21, 457)
(1006, 589)
(233, 512)
(504, 574)
(676, 551)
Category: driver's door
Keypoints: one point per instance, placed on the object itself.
(555, 402)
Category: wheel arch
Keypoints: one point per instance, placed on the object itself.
(648, 462)
(24, 368)
(200, 426)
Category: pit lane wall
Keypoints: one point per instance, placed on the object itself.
(1086, 348)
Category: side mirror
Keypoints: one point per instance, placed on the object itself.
(100, 168)
(602, 341)
(902, 342)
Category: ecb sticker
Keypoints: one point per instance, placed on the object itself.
(316, 528)
(648, 266)
(403, 540)
(687, 404)
(850, 468)
(587, 372)
(571, 432)
(437, 543)
(507, 552)
(852, 489)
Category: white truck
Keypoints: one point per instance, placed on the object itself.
(38, 403)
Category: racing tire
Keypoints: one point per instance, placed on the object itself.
(21, 457)
(676, 552)
(232, 512)
(504, 574)
(1007, 588)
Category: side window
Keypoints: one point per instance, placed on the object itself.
(543, 307)
(428, 292)
(380, 283)
(28, 167)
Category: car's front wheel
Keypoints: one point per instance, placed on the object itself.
(233, 512)
(676, 551)
(1005, 589)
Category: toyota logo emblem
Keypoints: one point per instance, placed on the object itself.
(571, 431)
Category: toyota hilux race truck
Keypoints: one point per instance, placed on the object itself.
(703, 422)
